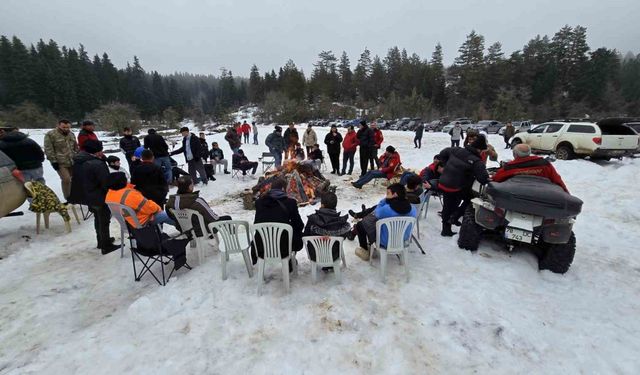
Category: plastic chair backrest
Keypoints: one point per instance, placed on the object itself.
(270, 234)
(185, 219)
(323, 246)
(230, 232)
(396, 229)
(120, 212)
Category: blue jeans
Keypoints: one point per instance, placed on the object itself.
(35, 174)
(165, 163)
(162, 218)
(255, 138)
(277, 156)
(370, 176)
(405, 177)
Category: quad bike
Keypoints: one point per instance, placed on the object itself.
(524, 210)
(12, 193)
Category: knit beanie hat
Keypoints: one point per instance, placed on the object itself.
(390, 149)
(92, 146)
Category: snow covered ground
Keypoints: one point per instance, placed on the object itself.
(67, 309)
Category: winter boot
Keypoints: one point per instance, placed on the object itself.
(108, 248)
(362, 254)
(226, 172)
(446, 230)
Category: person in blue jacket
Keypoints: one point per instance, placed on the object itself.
(393, 205)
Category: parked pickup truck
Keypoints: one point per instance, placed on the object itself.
(606, 139)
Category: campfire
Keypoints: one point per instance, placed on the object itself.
(304, 184)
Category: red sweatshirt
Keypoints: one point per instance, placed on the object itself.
(533, 166)
(350, 142)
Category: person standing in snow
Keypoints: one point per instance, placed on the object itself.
(60, 147)
(367, 143)
(276, 144)
(233, 139)
(128, 145)
(333, 140)
(417, 140)
(255, 133)
(160, 149)
(349, 146)
(87, 132)
(309, 138)
(457, 134)
(378, 138)
(246, 129)
(192, 149)
(90, 186)
(204, 149)
(509, 131)
(290, 138)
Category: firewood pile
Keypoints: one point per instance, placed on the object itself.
(304, 183)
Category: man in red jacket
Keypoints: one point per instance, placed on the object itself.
(524, 163)
(378, 138)
(86, 133)
(389, 161)
(350, 145)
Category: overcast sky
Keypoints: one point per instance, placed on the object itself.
(200, 36)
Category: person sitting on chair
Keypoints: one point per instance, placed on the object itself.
(187, 198)
(327, 222)
(147, 211)
(217, 157)
(241, 162)
(393, 205)
(389, 161)
(113, 162)
(276, 207)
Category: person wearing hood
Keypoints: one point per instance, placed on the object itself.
(90, 186)
(192, 150)
(160, 149)
(461, 167)
(87, 132)
(309, 138)
(393, 205)
(367, 142)
(276, 207)
(327, 222)
(113, 162)
(389, 161)
(333, 139)
(349, 146)
(128, 145)
(60, 146)
(25, 153)
(276, 144)
(187, 198)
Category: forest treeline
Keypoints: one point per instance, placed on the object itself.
(557, 76)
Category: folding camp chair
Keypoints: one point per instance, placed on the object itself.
(268, 161)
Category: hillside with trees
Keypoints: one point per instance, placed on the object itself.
(557, 76)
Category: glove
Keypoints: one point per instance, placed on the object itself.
(55, 166)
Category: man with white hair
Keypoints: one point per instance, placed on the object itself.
(527, 164)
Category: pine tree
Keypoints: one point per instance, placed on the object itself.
(345, 76)
(438, 81)
(256, 86)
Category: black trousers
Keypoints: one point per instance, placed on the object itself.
(365, 155)
(455, 143)
(417, 141)
(451, 203)
(101, 221)
(373, 158)
(362, 236)
(335, 162)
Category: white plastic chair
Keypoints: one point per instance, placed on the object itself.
(231, 235)
(270, 234)
(184, 218)
(396, 245)
(421, 209)
(118, 212)
(323, 247)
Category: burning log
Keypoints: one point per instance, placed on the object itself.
(304, 183)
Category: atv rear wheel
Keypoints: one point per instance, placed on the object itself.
(470, 231)
(558, 258)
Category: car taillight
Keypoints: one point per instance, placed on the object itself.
(597, 140)
(18, 175)
(548, 221)
(498, 211)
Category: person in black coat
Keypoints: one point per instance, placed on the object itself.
(333, 140)
(327, 222)
(156, 143)
(149, 180)
(192, 149)
(367, 143)
(276, 206)
(128, 145)
(461, 167)
(90, 186)
(25, 153)
(204, 149)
